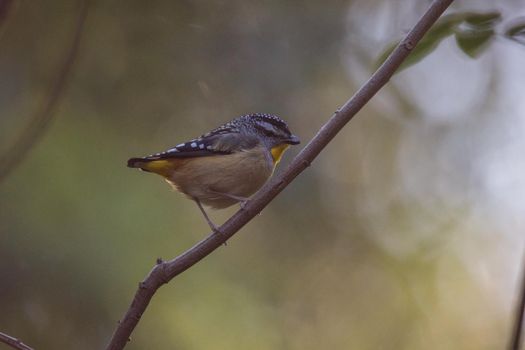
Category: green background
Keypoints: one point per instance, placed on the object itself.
(405, 233)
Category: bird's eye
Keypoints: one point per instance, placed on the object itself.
(268, 133)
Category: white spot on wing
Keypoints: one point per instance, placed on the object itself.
(193, 144)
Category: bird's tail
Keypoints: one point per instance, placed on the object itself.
(137, 162)
(162, 167)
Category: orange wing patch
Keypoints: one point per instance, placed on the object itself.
(163, 167)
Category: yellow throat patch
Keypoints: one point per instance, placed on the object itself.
(278, 151)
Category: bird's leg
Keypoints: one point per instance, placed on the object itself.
(242, 200)
(213, 227)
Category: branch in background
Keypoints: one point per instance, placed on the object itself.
(164, 272)
(13, 342)
(5, 8)
(517, 330)
(40, 121)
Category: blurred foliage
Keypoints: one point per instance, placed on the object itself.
(473, 32)
(516, 30)
(404, 233)
(439, 31)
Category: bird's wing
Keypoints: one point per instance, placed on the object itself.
(219, 141)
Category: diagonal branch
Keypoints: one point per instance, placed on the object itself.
(13, 342)
(517, 331)
(163, 272)
(42, 118)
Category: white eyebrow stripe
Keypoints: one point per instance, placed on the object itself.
(267, 126)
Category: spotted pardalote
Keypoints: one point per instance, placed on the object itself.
(226, 165)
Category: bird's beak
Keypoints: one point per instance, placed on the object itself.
(293, 140)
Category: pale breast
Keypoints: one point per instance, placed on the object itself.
(239, 174)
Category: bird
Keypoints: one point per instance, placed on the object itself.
(226, 165)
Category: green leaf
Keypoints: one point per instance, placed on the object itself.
(442, 29)
(516, 31)
(488, 19)
(473, 41)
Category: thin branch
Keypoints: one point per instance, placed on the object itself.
(13, 342)
(5, 9)
(41, 120)
(517, 331)
(163, 272)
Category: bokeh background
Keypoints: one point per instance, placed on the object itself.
(406, 232)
